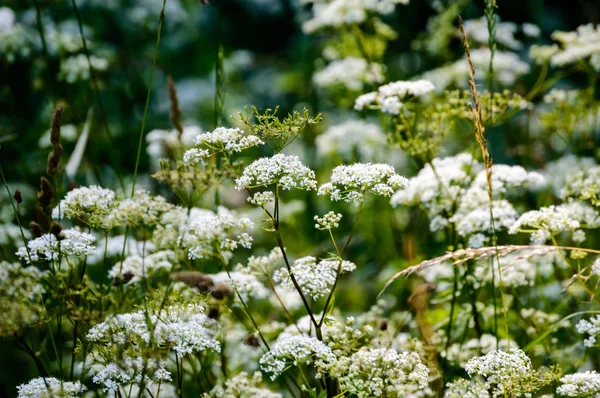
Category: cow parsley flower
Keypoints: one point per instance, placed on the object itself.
(287, 171)
(581, 44)
(262, 198)
(216, 235)
(242, 386)
(134, 268)
(388, 98)
(92, 205)
(351, 183)
(352, 137)
(591, 328)
(545, 223)
(583, 185)
(314, 278)
(47, 248)
(477, 31)
(50, 387)
(463, 388)
(297, 351)
(557, 173)
(221, 140)
(499, 367)
(263, 264)
(127, 370)
(142, 209)
(585, 384)
(352, 73)
(246, 284)
(328, 221)
(376, 372)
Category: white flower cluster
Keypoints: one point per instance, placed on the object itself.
(246, 284)
(353, 137)
(515, 272)
(545, 223)
(135, 268)
(263, 264)
(352, 73)
(314, 278)
(328, 221)
(584, 185)
(16, 39)
(242, 386)
(476, 222)
(463, 388)
(591, 328)
(381, 372)
(477, 32)
(47, 248)
(221, 140)
(122, 339)
(140, 210)
(508, 67)
(160, 142)
(505, 177)
(262, 198)
(337, 13)
(578, 45)
(50, 387)
(388, 98)
(438, 193)
(462, 353)
(215, 235)
(561, 171)
(285, 170)
(297, 350)
(351, 183)
(77, 69)
(498, 367)
(585, 384)
(92, 205)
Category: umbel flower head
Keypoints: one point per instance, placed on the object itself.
(50, 387)
(47, 247)
(286, 171)
(351, 183)
(389, 97)
(92, 205)
(221, 140)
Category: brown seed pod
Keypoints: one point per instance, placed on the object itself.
(56, 230)
(18, 197)
(251, 340)
(200, 281)
(35, 228)
(45, 194)
(220, 291)
(175, 110)
(213, 313)
(383, 325)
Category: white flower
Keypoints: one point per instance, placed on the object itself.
(328, 221)
(50, 387)
(262, 198)
(246, 284)
(477, 31)
(297, 350)
(351, 183)
(220, 140)
(285, 170)
(585, 384)
(76, 67)
(215, 235)
(134, 268)
(389, 97)
(561, 171)
(161, 141)
(352, 73)
(142, 209)
(48, 248)
(91, 205)
(577, 45)
(498, 367)
(353, 137)
(263, 264)
(314, 278)
(591, 328)
(546, 222)
(242, 386)
(376, 372)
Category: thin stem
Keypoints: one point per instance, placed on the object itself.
(33, 355)
(10, 198)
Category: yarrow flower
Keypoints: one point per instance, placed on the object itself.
(92, 205)
(585, 384)
(50, 387)
(376, 372)
(314, 278)
(297, 350)
(221, 140)
(351, 183)
(73, 243)
(328, 221)
(287, 171)
(388, 98)
(216, 235)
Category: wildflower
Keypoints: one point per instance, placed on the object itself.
(591, 328)
(245, 284)
(263, 264)
(262, 198)
(546, 222)
(136, 267)
(463, 388)
(92, 205)
(48, 248)
(583, 43)
(328, 221)
(221, 140)
(376, 372)
(388, 98)
(142, 209)
(284, 170)
(242, 386)
(297, 350)
(585, 384)
(351, 73)
(353, 137)
(50, 387)
(351, 183)
(314, 278)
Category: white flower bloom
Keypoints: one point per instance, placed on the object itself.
(499, 366)
(215, 235)
(546, 222)
(285, 170)
(328, 221)
(220, 140)
(388, 98)
(134, 268)
(92, 205)
(351, 73)
(585, 384)
(353, 137)
(161, 141)
(351, 183)
(477, 31)
(462, 353)
(76, 68)
(142, 209)
(591, 328)
(297, 350)
(376, 372)
(247, 285)
(263, 264)
(262, 198)
(515, 272)
(560, 171)
(48, 248)
(50, 387)
(314, 278)
(242, 386)
(478, 220)
(463, 388)
(584, 185)
(577, 45)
